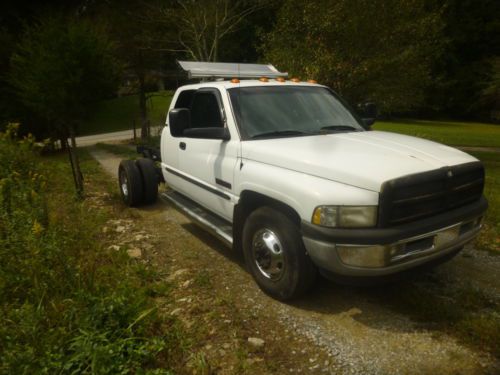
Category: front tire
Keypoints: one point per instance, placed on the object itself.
(130, 183)
(275, 254)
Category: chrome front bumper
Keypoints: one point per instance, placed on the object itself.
(379, 260)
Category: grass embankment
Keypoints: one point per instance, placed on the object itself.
(465, 134)
(447, 132)
(120, 113)
(70, 304)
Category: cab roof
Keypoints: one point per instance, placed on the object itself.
(227, 84)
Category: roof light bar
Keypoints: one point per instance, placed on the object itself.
(198, 69)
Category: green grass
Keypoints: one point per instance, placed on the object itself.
(120, 113)
(447, 132)
(68, 303)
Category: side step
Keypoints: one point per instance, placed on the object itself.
(219, 227)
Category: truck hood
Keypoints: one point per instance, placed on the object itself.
(362, 159)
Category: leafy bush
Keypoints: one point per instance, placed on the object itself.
(67, 305)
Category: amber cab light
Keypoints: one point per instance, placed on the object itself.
(264, 79)
(235, 80)
(312, 81)
(295, 80)
(280, 79)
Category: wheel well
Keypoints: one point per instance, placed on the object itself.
(249, 202)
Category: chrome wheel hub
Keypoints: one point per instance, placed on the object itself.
(268, 254)
(123, 181)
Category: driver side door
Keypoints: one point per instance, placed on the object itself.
(208, 165)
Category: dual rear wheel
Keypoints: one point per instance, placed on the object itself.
(138, 182)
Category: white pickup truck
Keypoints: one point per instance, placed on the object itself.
(285, 171)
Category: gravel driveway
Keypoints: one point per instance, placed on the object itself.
(344, 330)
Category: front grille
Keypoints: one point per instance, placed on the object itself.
(422, 195)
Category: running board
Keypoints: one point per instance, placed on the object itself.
(219, 227)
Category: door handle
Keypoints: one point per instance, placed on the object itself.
(182, 146)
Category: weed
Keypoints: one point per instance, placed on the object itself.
(199, 363)
(68, 304)
(202, 279)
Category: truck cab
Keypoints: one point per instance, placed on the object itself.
(288, 173)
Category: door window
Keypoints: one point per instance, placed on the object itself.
(205, 111)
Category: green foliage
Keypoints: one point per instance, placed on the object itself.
(365, 50)
(59, 68)
(67, 304)
(490, 95)
(463, 71)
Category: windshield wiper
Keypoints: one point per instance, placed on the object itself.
(278, 133)
(339, 127)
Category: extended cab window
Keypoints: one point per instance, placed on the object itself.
(185, 98)
(205, 111)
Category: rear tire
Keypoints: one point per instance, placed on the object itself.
(275, 254)
(150, 181)
(130, 183)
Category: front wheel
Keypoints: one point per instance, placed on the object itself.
(275, 254)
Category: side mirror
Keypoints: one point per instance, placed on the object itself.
(368, 113)
(178, 121)
(368, 122)
(208, 133)
(370, 110)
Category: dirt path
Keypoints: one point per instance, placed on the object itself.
(90, 140)
(335, 329)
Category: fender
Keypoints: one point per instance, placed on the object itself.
(300, 191)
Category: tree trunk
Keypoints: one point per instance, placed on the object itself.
(143, 110)
(75, 164)
(64, 143)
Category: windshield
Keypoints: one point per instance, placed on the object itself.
(273, 111)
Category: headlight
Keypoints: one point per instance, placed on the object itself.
(345, 216)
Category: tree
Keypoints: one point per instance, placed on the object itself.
(378, 50)
(59, 69)
(201, 25)
(464, 70)
(137, 45)
(490, 95)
